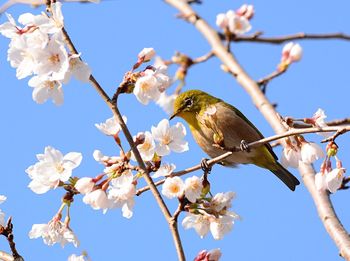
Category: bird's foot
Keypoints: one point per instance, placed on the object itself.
(205, 166)
(244, 146)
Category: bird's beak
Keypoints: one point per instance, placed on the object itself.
(174, 115)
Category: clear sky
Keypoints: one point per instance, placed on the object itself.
(276, 224)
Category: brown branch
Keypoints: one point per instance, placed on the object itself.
(114, 108)
(321, 198)
(340, 130)
(265, 81)
(8, 233)
(257, 38)
(203, 58)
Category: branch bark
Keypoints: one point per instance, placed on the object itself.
(321, 199)
(257, 38)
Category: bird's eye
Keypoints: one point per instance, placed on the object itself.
(188, 102)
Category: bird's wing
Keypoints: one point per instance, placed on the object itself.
(245, 132)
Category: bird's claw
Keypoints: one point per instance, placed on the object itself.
(205, 166)
(244, 146)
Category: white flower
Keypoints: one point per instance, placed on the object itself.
(220, 226)
(45, 88)
(121, 193)
(2, 214)
(290, 157)
(77, 68)
(334, 179)
(48, 25)
(200, 223)
(193, 188)
(21, 56)
(146, 54)
(150, 85)
(221, 21)
(236, 24)
(146, 89)
(169, 138)
(54, 232)
(173, 187)
(110, 127)
(164, 170)
(84, 185)
(319, 118)
(147, 148)
(52, 61)
(166, 102)
(74, 257)
(9, 29)
(222, 201)
(97, 199)
(310, 152)
(291, 52)
(52, 168)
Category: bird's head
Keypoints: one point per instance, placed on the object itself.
(190, 103)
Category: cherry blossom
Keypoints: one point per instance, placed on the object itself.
(45, 88)
(334, 179)
(52, 169)
(97, 199)
(291, 52)
(110, 127)
(147, 148)
(146, 54)
(193, 188)
(169, 138)
(84, 185)
(164, 170)
(152, 82)
(54, 232)
(310, 152)
(173, 187)
(166, 102)
(77, 68)
(121, 193)
(235, 23)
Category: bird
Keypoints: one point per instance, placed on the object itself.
(217, 125)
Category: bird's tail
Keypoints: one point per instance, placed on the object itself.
(288, 178)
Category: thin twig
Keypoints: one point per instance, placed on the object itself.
(149, 181)
(8, 233)
(265, 81)
(321, 199)
(203, 58)
(285, 38)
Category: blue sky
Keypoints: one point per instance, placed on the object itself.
(276, 224)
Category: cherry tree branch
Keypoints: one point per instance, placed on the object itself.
(257, 38)
(339, 130)
(114, 108)
(8, 233)
(321, 198)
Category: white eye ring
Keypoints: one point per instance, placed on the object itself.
(188, 102)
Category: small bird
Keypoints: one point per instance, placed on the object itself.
(217, 125)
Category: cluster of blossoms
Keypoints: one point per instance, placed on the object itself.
(151, 83)
(55, 231)
(298, 151)
(37, 48)
(2, 214)
(205, 212)
(291, 52)
(236, 22)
